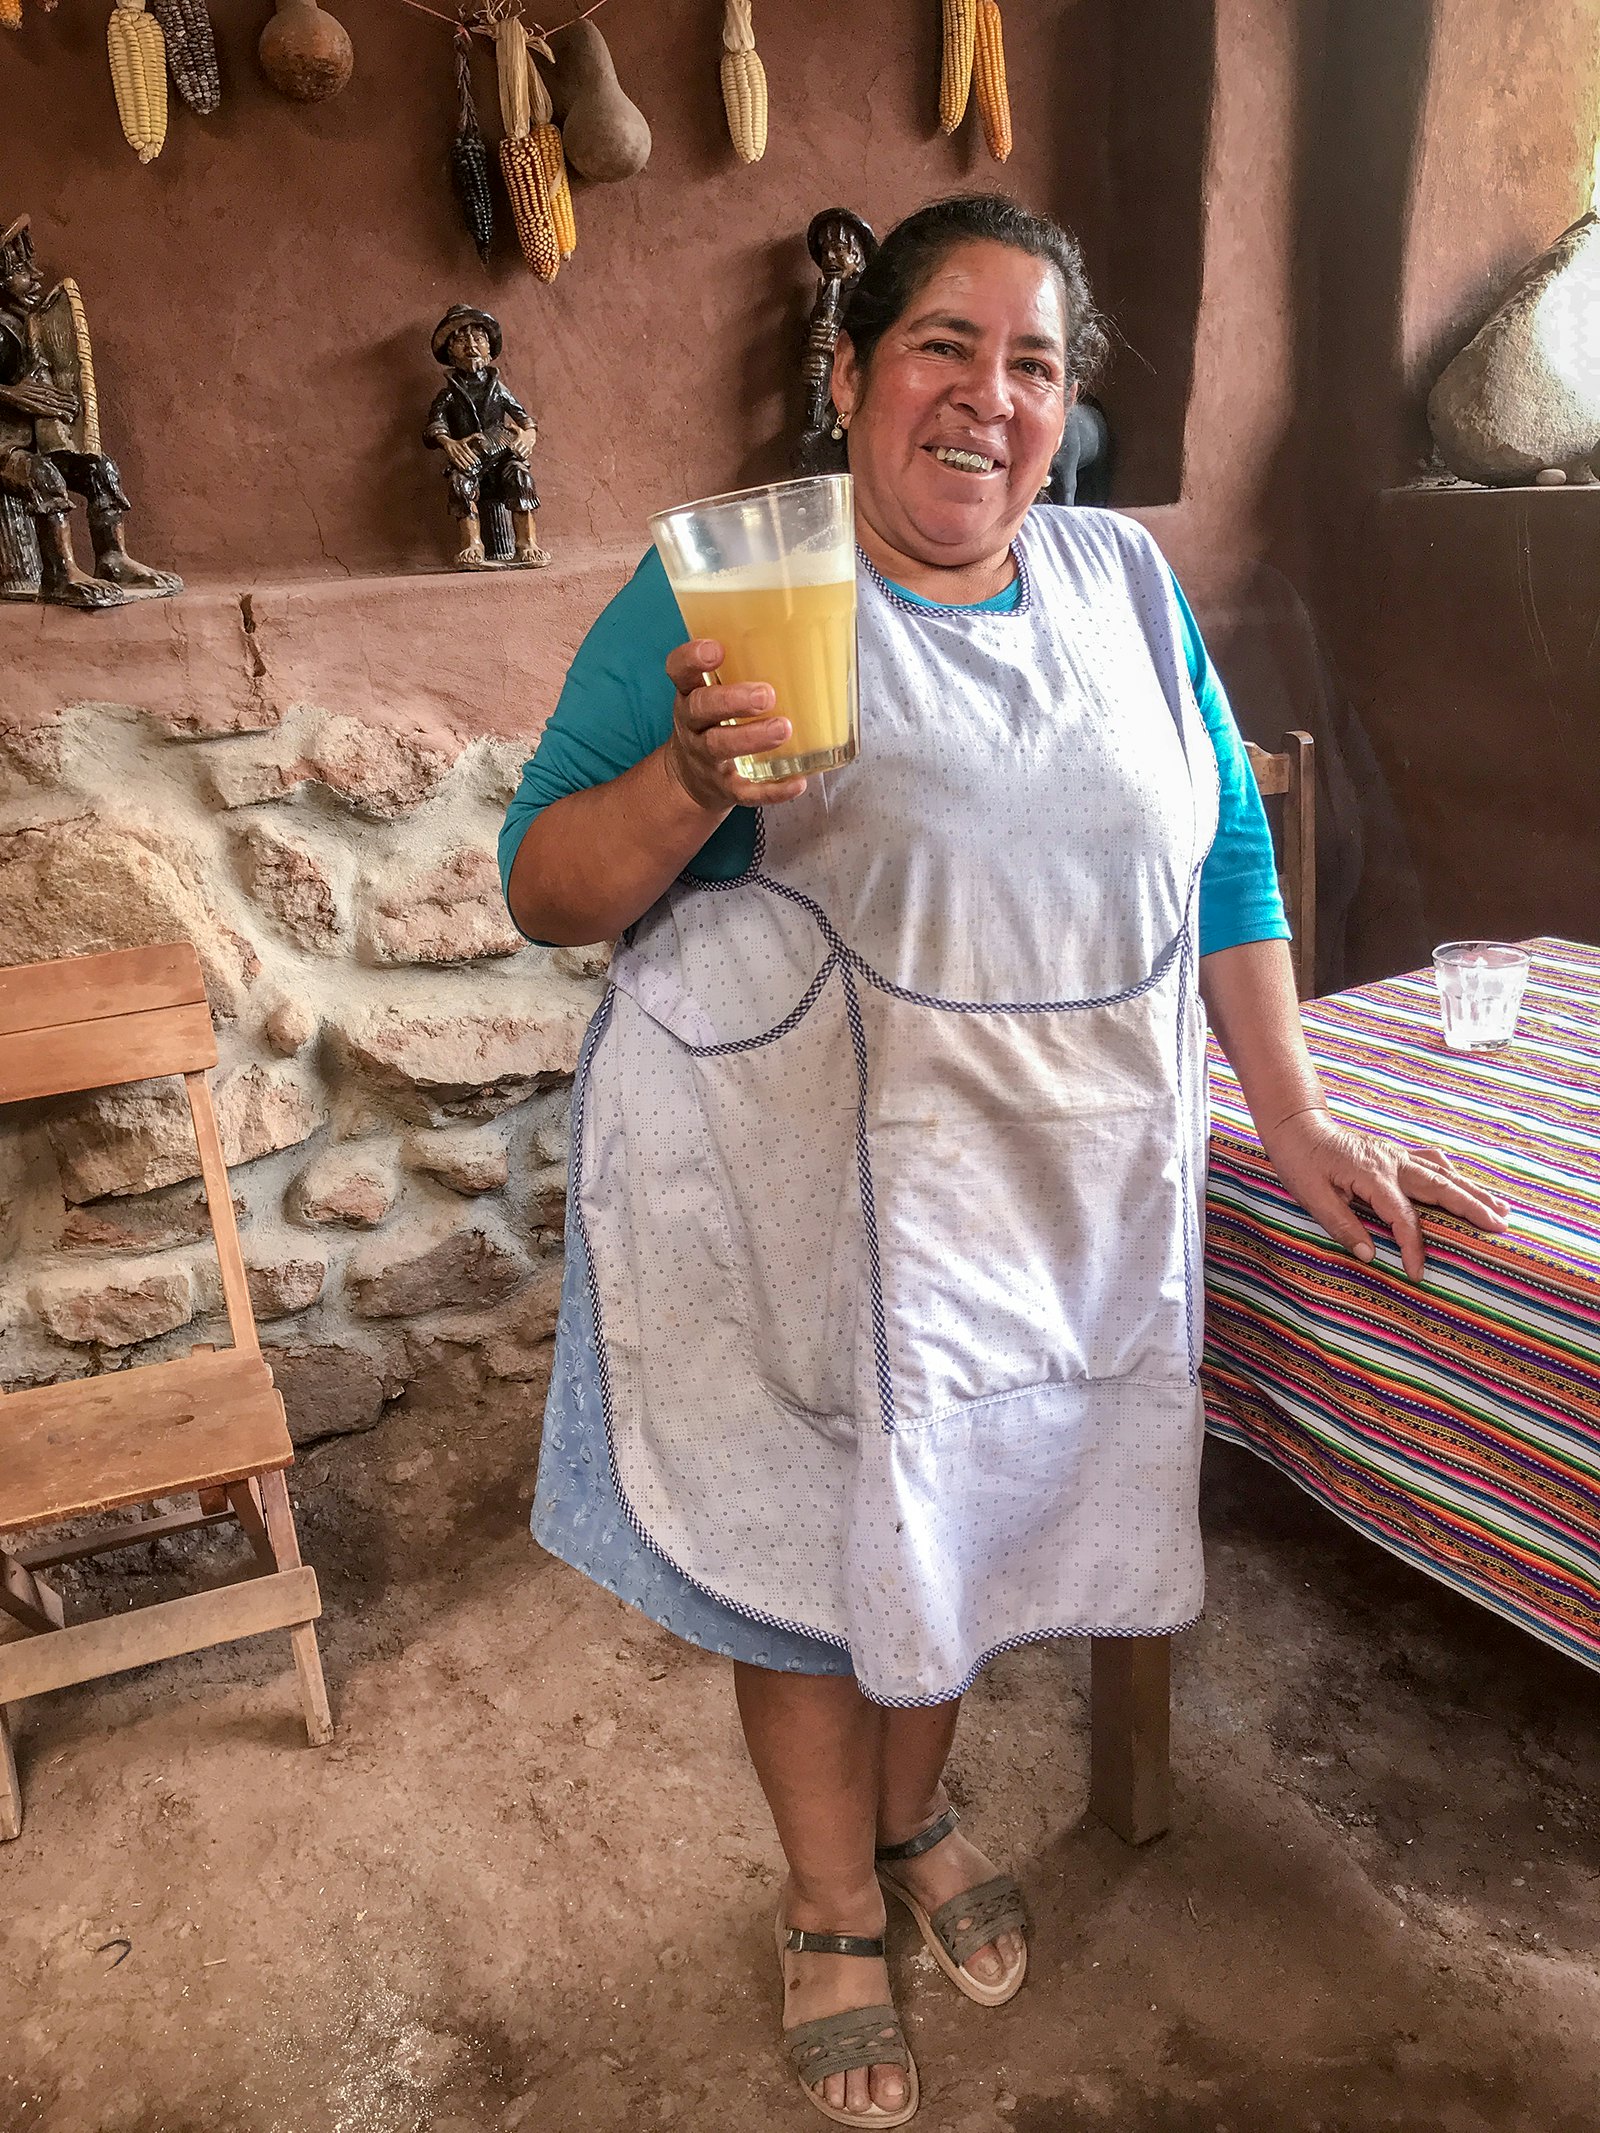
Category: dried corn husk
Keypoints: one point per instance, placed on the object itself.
(955, 70)
(744, 83)
(191, 52)
(138, 54)
(989, 73)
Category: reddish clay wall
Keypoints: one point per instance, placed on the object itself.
(261, 295)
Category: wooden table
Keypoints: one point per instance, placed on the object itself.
(1456, 1423)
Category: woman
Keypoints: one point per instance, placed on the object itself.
(878, 1352)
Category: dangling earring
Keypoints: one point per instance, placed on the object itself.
(840, 424)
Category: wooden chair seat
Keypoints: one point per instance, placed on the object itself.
(97, 1444)
(209, 1424)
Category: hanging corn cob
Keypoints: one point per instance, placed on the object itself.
(989, 71)
(10, 14)
(191, 52)
(547, 139)
(522, 164)
(955, 73)
(138, 55)
(469, 156)
(744, 83)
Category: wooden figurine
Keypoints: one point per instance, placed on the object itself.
(50, 449)
(841, 244)
(487, 436)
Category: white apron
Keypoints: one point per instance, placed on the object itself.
(888, 1156)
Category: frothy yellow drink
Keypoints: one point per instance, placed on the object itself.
(800, 637)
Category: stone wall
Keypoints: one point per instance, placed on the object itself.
(394, 1064)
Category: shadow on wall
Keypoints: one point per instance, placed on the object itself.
(1369, 904)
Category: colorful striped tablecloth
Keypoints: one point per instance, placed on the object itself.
(1458, 1423)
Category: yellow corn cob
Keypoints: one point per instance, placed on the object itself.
(11, 14)
(522, 164)
(989, 69)
(744, 83)
(138, 54)
(547, 139)
(955, 74)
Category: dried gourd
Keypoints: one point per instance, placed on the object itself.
(744, 83)
(469, 156)
(522, 164)
(191, 52)
(547, 139)
(955, 69)
(604, 134)
(989, 75)
(138, 54)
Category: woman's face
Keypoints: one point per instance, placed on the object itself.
(954, 425)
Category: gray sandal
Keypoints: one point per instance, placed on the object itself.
(842, 2043)
(967, 1922)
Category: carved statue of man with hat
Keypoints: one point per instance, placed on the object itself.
(50, 449)
(487, 436)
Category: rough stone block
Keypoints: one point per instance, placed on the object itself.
(282, 1284)
(113, 1309)
(351, 1186)
(381, 771)
(245, 777)
(137, 1136)
(432, 1266)
(468, 1160)
(290, 1027)
(457, 1063)
(102, 880)
(293, 883)
(452, 913)
(329, 1388)
(591, 962)
(151, 1223)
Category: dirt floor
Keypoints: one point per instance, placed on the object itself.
(530, 1885)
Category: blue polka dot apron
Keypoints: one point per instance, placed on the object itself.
(888, 1156)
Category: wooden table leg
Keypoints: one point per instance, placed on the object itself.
(279, 1521)
(1130, 1693)
(10, 1790)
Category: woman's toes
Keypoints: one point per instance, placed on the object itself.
(986, 1965)
(888, 2088)
(858, 2089)
(833, 2092)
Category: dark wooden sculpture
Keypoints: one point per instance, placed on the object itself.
(50, 449)
(487, 436)
(841, 244)
(1080, 473)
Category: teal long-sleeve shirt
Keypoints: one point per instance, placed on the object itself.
(616, 708)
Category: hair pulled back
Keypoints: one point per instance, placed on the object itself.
(916, 248)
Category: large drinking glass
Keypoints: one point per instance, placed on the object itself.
(771, 574)
(1481, 984)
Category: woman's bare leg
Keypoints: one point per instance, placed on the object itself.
(916, 1747)
(817, 1746)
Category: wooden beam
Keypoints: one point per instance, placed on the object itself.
(27, 1599)
(10, 1789)
(1130, 1705)
(129, 1535)
(247, 1509)
(86, 988)
(284, 1600)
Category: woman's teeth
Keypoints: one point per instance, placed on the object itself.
(974, 462)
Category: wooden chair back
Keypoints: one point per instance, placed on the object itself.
(1292, 778)
(134, 1014)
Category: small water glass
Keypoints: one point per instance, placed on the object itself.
(1481, 984)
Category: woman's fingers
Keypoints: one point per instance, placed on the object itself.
(1324, 1202)
(1451, 1192)
(1386, 1199)
(689, 666)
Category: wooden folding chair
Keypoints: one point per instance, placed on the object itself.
(209, 1424)
(1293, 776)
(1130, 1685)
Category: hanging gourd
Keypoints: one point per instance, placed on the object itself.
(305, 53)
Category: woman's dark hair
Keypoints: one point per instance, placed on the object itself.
(915, 249)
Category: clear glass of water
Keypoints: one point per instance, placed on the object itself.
(1481, 984)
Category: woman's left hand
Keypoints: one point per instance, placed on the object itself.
(1328, 1167)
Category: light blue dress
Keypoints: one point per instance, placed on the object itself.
(578, 1513)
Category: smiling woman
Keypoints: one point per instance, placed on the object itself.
(877, 1355)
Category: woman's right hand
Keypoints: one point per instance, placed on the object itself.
(712, 723)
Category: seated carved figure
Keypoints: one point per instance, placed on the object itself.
(487, 436)
(50, 449)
